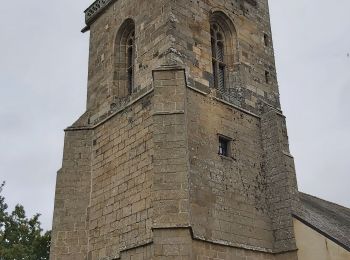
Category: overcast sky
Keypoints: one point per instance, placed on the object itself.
(43, 72)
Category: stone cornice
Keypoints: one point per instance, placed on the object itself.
(94, 10)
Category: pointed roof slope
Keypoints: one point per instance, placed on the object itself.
(327, 218)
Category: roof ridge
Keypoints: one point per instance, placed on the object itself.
(324, 200)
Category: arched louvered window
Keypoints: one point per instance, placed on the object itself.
(218, 55)
(130, 61)
(224, 46)
(125, 53)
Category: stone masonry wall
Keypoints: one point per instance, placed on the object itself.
(70, 227)
(173, 243)
(202, 250)
(245, 72)
(282, 191)
(170, 189)
(120, 210)
(141, 176)
(178, 244)
(228, 198)
(151, 45)
(138, 253)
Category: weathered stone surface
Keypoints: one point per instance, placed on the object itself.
(141, 175)
(70, 223)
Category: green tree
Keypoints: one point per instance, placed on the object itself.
(21, 238)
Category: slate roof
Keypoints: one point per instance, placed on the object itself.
(329, 219)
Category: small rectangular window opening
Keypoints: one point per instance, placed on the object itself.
(267, 77)
(266, 40)
(224, 146)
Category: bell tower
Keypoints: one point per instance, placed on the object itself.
(183, 151)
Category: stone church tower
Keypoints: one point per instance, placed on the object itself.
(182, 152)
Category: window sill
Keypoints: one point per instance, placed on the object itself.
(227, 158)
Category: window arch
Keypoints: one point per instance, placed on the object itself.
(218, 54)
(223, 48)
(125, 53)
(130, 50)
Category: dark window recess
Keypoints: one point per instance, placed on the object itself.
(224, 145)
(130, 61)
(218, 55)
(266, 40)
(267, 77)
(252, 2)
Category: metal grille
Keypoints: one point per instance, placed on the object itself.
(218, 56)
(221, 77)
(223, 146)
(130, 60)
(220, 52)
